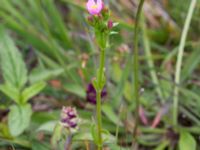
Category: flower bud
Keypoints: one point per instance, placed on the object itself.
(91, 20)
(110, 24)
(105, 13)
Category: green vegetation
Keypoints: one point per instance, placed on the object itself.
(142, 61)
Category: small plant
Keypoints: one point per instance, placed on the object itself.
(69, 121)
(99, 20)
(15, 77)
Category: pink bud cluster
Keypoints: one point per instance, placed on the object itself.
(97, 9)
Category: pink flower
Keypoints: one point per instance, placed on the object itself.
(94, 7)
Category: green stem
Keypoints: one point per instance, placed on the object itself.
(136, 69)
(98, 97)
(180, 58)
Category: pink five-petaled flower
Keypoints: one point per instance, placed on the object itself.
(94, 7)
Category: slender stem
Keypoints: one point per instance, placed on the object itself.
(68, 142)
(99, 120)
(98, 97)
(180, 58)
(136, 69)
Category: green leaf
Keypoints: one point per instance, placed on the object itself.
(117, 72)
(10, 92)
(94, 133)
(82, 136)
(162, 146)
(32, 91)
(190, 64)
(4, 131)
(92, 136)
(75, 89)
(42, 74)
(12, 64)
(58, 22)
(103, 81)
(127, 91)
(38, 145)
(95, 84)
(48, 127)
(187, 141)
(108, 111)
(106, 135)
(19, 118)
(57, 135)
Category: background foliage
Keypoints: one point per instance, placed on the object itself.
(49, 56)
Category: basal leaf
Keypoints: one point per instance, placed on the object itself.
(12, 64)
(32, 91)
(10, 92)
(19, 118)
(187, 141)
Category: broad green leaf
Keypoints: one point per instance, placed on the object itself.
(75, 89)
(48, 127)
(32, 91)
(10, 92)
(19, 118)
(12, 64)
(187, 141)
(41, 74)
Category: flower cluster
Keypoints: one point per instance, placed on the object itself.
(99, 19)
(91, 94)
(69, 118)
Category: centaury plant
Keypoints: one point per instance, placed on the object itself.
(99, 20)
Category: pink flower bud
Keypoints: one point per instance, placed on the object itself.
(91, 20)
(110, 24)
(94, 7)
